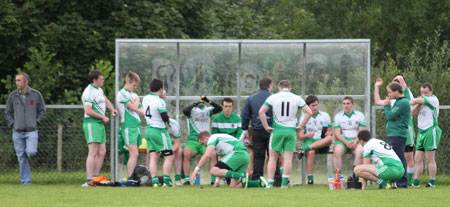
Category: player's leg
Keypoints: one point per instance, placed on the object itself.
(188, 153)
(321, 143)
(178, 165)
(271, 165)
(132, 160)
(212, 162)
(154, 158)
(147, 159)
(418, 166)
(101, 152)
(167, 167)
(287, 167)
(250, 164)
(310, 166)
(338, 152)
(368, 172)
(409, 156)
(431, 162)
(90, 161)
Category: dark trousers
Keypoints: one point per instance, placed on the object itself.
(261, 140)
(398, 145)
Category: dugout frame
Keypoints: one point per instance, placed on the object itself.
(304, 59)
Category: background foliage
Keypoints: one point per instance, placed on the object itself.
(58, 42)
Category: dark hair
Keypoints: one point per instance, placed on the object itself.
(284, 84)
(228, 100)
(311, 99)
(395, 87)
(364, 135)
(156, 84)
(427, 85)
(348, 98)
(203, 134)
(264, 83)
(94, 75)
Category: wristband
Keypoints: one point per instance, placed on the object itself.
(196, 168)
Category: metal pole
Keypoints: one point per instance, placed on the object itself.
(239, 78)
(303, 95)
(177, 108)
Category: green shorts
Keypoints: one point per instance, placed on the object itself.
(237, 160)
(309, 141)
(283, 140)
(131, 136)
(94, 132)
(196, 147)
(345, 146)
(410, 136)
(390, 173)
(158, 139)
(428, 140)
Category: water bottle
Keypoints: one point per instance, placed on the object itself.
(197, 180)
(324, 130)
(331, 182)
(341, 183)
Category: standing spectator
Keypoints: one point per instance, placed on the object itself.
(198, 120)
(261, 137)
(398, 116)
(409, 148)
(285, 106)
(95, 104)
(427, 109)
(25, 110)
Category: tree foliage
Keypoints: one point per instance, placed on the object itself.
(72, 37)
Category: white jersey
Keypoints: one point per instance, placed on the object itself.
(174, 129)
(316, 123)
(428, 113)
(127, 116)
(200, 120)
(225, 143)
(284, 106)
(95, 97)
(153, 107)
(349, 124)
(381, 153)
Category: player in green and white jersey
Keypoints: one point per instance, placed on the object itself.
(95, 104)
(158, 139)
(388, 166)
(227, 122)
(234, 162)
(198, 120)
(316, 135)
(429, 135)
(284, 105)
(128, 104)
(409, 148)
(175, 134)
(347, 124)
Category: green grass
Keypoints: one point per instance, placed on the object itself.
(317, 195)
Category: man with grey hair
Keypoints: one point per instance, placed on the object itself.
(25, 110)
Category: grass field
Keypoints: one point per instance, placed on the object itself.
(317, 195)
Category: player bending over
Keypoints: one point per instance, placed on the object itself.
(387, 167)
(234, 162)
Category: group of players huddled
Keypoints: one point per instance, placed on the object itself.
(227, 145)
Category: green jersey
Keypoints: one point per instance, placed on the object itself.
(225, 143)
(128, 118)
(349, 123)
(199, 121)
(284, 105)
(228, 125)
(398, 117)
(174, 130)
(381, 153)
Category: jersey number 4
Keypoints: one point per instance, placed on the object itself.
(283, 110)
(147, 112)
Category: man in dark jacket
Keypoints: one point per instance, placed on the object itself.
(25, 110)
(260, 136)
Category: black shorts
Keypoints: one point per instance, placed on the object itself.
(409, 148)
(222, 165)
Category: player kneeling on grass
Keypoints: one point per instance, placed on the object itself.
(387, 167)
(234, 162)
